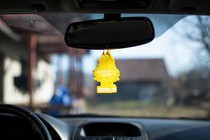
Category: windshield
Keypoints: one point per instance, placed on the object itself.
(168, 77)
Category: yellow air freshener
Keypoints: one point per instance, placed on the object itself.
(106, 73)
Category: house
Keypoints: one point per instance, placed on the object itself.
(15, 65)
(26, 76)
(142, 79)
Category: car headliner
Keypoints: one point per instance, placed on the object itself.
(63, 6)
(60, 9)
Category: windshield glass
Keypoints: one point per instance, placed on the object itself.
(168, 77)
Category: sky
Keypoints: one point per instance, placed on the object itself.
(176, 51)
(170, 47)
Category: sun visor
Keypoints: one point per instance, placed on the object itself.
(186, 6)
(114, 4)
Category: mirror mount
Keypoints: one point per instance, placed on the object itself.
(112, 16)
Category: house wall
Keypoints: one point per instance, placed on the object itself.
(13, 96)
(138, 90)
(144, 91)
(141, 91)
(46, 75)
(12, 68)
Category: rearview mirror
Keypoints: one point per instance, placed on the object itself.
(110, 34)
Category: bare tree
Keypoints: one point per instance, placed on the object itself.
(199, 27)
(197, 80)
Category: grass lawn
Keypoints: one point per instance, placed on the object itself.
(136, 108)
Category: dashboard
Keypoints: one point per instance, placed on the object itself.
(120, 128)
(108, 128)
(87, 127)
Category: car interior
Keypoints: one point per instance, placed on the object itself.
(105, 28)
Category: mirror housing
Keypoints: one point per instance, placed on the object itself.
(110, 34)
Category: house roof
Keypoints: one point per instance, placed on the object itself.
(142, 70)
(49, 32)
